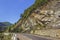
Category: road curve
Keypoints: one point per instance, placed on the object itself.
(32, 37)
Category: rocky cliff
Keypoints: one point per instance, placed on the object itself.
(44, 14)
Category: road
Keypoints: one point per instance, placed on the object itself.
(33, 37)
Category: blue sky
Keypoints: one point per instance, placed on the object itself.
(10, 10)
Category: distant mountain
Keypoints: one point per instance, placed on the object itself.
(3, 25)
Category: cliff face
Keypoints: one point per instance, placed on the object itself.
(43, 17)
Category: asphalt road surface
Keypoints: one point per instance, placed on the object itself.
(32, 37)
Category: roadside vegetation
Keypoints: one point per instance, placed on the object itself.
(5, 37)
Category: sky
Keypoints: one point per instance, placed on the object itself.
(10, 10)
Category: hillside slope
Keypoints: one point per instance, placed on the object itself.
(43, 14)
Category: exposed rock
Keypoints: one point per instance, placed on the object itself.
(46, 17)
